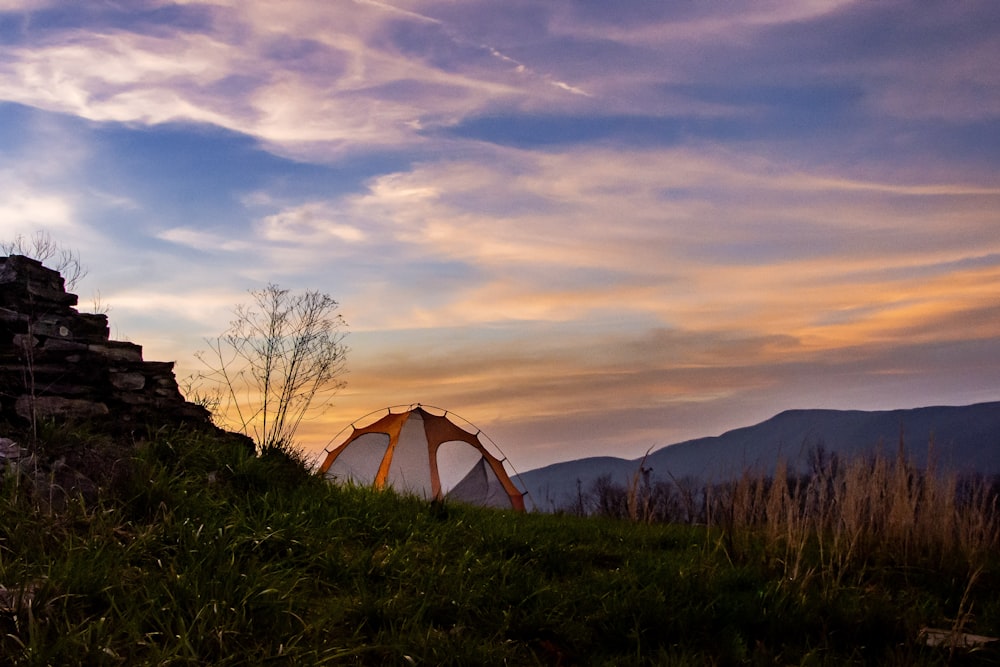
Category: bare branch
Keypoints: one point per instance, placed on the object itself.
(41, 247)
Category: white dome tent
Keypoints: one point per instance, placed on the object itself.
(416, 451)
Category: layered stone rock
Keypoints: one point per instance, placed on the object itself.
(56, 362)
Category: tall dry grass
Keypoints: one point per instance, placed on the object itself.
(846, 515)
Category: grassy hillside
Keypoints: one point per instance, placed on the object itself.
(187, 550)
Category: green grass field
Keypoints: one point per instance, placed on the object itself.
(185, 550)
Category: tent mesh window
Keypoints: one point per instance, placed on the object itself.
(360, 463)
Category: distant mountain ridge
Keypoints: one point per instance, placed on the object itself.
(963, 439)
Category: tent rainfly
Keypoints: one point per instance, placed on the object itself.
(424, 454)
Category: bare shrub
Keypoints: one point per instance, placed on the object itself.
(282, 358)
(609, 499)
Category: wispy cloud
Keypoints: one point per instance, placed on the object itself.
(23, 208)
(308, 223)
(202, 240)
(307, 77)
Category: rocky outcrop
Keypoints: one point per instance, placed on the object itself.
(58, 363)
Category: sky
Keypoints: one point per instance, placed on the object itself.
(588, 228)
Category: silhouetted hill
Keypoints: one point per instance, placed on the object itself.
(965, 439)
